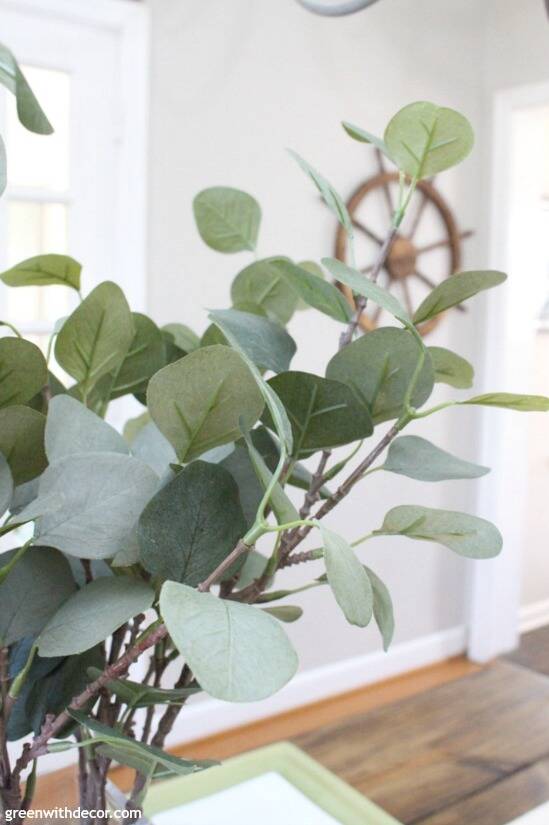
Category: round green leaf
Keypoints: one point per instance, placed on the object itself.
(264, 341)
(262, 284)
(22, 442)
(191, 525)
(454, 290)
(378, 368)
(44, 270)
(417, 458)
(92, 614)
(23, 371)
(323, 413)
(424, 139)
(71, 429)
(347, 578)
(237, 652)
(227, 219)
(197, 402)
(466, 535)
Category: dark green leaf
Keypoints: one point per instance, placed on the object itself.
(378, 368)
(227, 219)
(415, 457)
(262, 284)
(138, 695)
(145, 356)
(450, 368)
(92, 614)
(197, 403)
(466, 535)
(264, 341)
(454, 290)
(191, 525)
(6, 485)
(44, 270)
(323, 413)
(22, 442)
(23, 371)
(424, 139)
(95, 339)
(236, 651)
(322, 295)
(36, 587)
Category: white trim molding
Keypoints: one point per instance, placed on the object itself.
(533, 616)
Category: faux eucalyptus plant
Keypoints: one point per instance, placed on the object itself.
(143, 546)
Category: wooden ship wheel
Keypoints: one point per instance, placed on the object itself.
(419, 259)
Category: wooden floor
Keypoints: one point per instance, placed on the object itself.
(472, 750)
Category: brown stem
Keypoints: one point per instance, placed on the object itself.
(172, 711)
(361, 301)
(214, 577)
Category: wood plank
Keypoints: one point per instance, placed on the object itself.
(500, 803)
(420, 755)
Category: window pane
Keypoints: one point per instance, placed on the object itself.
(35, 229)
(39, 161)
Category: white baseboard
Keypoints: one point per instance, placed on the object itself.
(534, 616)
(204, 716)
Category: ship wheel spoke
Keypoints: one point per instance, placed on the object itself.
(419, 213)
(407, 296)
(368, 232)
(427, 281)
(441, 244)
(386, 188)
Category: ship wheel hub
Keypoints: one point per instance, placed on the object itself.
(402, 259)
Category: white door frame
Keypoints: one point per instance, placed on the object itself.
(494, 595)
(129, 21)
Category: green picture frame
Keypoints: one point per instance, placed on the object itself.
(321, 786)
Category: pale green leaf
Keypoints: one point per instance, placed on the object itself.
(28, 109)
(237, 652)
(450, 368)
(227, 219)
(92, 614)
(150, 446)
(197, 402)
(285, 613)
(383, 609)
(417, 458)
(511, 401)
(330, 196)
(183, 337)
(262, 284)
(347, 578)
(362, 285)
(44, 270)
(281, 505)
(265, 342)
(71, 429)
(466, 535)
(317, 293)
(362, 136)
(424, 139)
(454, 290)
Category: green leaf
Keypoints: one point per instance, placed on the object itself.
(383, 609)
(378, 368)
(23, 371)
(278, 413)
(22, 442)
(417, 458)
(254, 566)
(368, 289)
(138, 695)
(239, 465)
(150, 446)
(6, 485)
(227, 219)
(262, 284)
(72, 429)
(264, 341)
(197, 403)
(281, 505)
(237, 652)
(511, 401)
(135, 754)
(285, 613)
(454, 290)
(322, 295)
(36, 587)
(98, 500)
(323, 413)
(450, 368)
(424, 139)
(191, 525)
(28, 109)
(466, 535)
(347, 578)
(44, 270)
(92, 614)
(362, 136)
(145, 357)
(95, 339)
(182, 336)
(330, 196)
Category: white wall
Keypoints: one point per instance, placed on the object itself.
(233, 84)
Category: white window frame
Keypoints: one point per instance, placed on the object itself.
(129, 21)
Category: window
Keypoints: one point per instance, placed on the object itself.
(80, 191)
